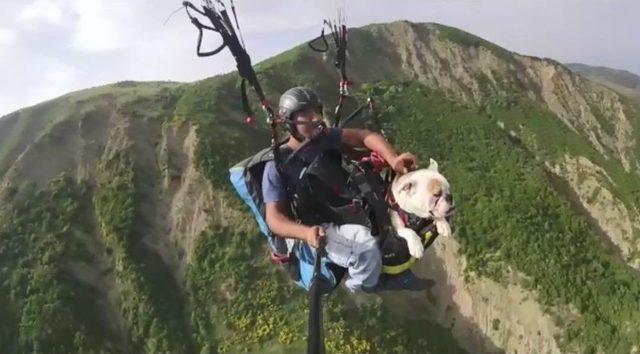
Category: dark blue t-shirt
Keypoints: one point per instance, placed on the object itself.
(272, 186)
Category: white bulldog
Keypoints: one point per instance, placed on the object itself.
(425, 193)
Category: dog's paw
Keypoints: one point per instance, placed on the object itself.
(443, 227)
(414, 243)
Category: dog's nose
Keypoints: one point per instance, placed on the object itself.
(449, 198)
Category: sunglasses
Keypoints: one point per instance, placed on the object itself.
(315, 119)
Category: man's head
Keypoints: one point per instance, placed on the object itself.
(302, 110)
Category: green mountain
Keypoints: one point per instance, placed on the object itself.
(120, 233)
(625, 82)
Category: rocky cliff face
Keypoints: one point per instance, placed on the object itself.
(473, 70)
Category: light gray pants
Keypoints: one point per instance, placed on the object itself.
(353, 247)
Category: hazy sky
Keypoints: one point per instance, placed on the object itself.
(51, 47)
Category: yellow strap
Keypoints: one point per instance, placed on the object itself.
(427, 236)
(397, 269)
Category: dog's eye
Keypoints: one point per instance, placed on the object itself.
(438, 195)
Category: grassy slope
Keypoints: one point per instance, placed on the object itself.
(21, 128)
(44, 308)
(511, 218)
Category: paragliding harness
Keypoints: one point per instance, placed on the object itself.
(339, 34)
(358, 199)
(338, 30)
(221, 23)
(395, 253)
(246, 177)
(314, 273)
(366, 170)
(369, 208)
(330, 189)
(323, 192)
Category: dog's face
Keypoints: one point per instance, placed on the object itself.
(424, 192)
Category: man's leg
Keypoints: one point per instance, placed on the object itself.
(352, 246)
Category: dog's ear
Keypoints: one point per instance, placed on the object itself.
(433, 165)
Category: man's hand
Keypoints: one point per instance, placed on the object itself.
(404, 163)
(315, 236)
(355, 138)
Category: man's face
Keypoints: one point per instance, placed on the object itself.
(307, 120)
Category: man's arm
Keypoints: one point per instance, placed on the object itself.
(358, 138)
(282, 225)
